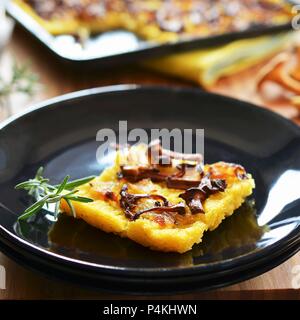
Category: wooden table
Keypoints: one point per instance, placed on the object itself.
(57, 79)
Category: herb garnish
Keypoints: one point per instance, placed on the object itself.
(22, 80)
(46, 194)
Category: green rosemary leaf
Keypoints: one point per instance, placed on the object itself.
(76, 183)
(26, 215)
(71, 207)
(62, 186)
(39, 173)
(80, 199)
(47, 194)
(27, 184)
(37, 204)
(33, 209)
(56, 210)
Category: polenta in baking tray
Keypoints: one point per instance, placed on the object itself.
(166, 207)
(156, 20)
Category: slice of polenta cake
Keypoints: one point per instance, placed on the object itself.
(161, 199)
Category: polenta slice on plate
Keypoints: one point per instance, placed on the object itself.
(161, 199)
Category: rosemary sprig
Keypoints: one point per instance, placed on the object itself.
(46, 194)
(22, 80)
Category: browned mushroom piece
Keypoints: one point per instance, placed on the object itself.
(190, 176)
(178, 170)
(129, 203)
(136, 173)
(277, 72)
(194, 197)
(155, 150)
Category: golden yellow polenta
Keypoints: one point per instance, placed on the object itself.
(158, 20)
(156, 230)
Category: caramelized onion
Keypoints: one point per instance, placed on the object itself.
(129, 201)
(194, 197)
(178, 208)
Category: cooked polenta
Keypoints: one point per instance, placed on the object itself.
(157, 20)
(164, 206)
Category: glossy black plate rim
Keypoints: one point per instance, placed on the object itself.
(219, 271)
(157, 272)
(150, 49)
(239, 263)
(194, 283)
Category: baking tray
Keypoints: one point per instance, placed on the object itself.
(120, 46)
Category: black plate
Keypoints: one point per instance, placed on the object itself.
(116, 47)
(60, 135)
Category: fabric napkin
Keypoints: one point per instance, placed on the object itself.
(206, 66)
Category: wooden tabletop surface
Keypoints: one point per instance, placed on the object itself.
(56, 79)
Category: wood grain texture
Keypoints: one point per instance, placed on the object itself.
(56, 79)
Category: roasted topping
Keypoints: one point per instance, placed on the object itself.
(136, 173)
(240, 172)
(198, 181)
(45, 9)
(222, 170)
(103, 191)
(179, 17)
(110, 196)
(194, 197)
(178, 170)
(155, 152)
(162, 218)
(188, 176)
(177, 208)
(82, 9)
(129, 203)
(170, 19)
